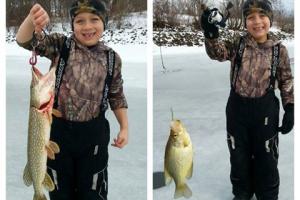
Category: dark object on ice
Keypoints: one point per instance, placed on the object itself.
(158, 180)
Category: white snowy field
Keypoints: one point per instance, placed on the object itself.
(197, 89)
(127, 167)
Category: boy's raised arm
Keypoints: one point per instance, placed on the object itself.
(215, 48)
(36, 20)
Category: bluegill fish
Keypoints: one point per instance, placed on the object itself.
(179, 159)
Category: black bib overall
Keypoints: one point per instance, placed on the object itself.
(252, 135)
(79, 170)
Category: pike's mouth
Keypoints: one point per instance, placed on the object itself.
(37, 72)
(47, 105)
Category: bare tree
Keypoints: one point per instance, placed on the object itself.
(194, 8)
(160, 8)
(235, 21)
(283, 18)
(120, 8)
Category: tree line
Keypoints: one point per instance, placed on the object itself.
(169, 13)
(58, 10)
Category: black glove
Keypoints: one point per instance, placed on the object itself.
(211, 31)
(288, 119)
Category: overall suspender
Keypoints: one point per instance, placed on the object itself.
(238, 63)
(62, 62)
(64, 56)
(108, 80)
(275, 63)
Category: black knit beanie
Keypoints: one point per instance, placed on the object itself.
(263, 6)
(97, 7)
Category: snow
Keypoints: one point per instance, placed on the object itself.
(197, 89)
(187, 35)
(127, 167)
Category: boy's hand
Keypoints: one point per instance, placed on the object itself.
(39, 17)
(121, 140)
(211, 31)
(288, 119)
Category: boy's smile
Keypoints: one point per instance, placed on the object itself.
(258, 25)
(88, 28)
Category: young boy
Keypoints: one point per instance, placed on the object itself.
(259, 65)
(90, 78)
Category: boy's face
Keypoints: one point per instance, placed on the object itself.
(258, 25)
(88, 28)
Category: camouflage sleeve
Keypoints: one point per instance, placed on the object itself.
(116, 96)
(218, 50)
(49, 47)
(285, 77)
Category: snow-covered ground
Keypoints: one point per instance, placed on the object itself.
(197, 89)
(187, 35)
(127, 167)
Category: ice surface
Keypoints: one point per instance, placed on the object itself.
(197, 89)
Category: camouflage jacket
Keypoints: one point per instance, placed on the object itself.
(254, 75)
(81, 89)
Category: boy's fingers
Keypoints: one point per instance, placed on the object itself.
(35, 8)
(118, 143)
(41, 24)
(38, 13)
(115, 142)
(120, 140)
(40, 18)
(38, 29)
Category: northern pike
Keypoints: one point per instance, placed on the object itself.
(39, 145)
(179, 159)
